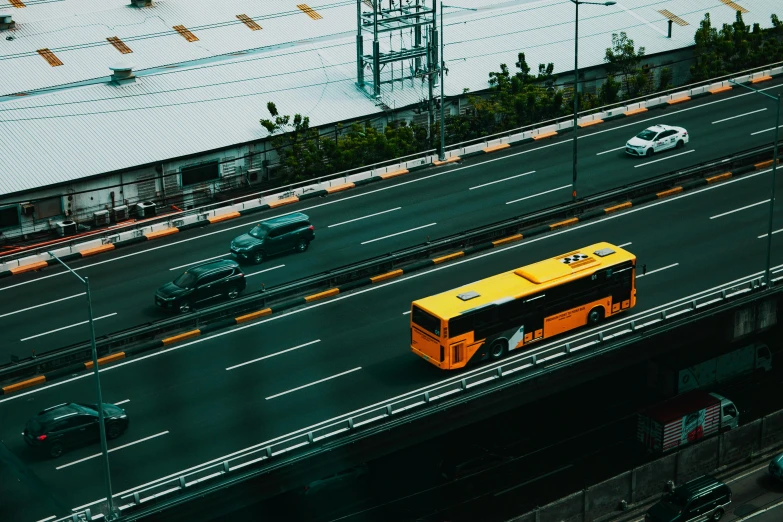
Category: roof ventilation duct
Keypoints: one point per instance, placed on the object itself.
(6, 21)
(122, 73)
(141, 3)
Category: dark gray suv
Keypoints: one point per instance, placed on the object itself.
(703, 498)
(292, 232)
(200, 284)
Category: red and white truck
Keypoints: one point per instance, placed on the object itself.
(685, 419)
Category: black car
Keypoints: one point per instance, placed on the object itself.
(292, 232)
(201, 283)
(72, 424)
(703, 498)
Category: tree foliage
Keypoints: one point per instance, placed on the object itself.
(735, 47)
(624, 60)
(305, 153)
(516, 98)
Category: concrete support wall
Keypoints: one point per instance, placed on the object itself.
(603, 500)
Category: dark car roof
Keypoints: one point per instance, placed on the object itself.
(697, 485)
(294, 217)
(58, 411)
(212, 265)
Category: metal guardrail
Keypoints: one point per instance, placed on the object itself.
(423, 155)
(108, 343)
(518, 367)
(624, 103)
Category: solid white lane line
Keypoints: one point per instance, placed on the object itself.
(532, 480)
(663, 159)
(764, 130)
(66, 327)
(318, 304)
(135, 360)
(536, 195)
(202, 261)
(43, 304)
(610, 150)
(739, 116)
(751, 472)
(773, 233)
(47, 518)
(625, 244)
(738, 209)
(113, 449)
(314, 383)
(364, 217)
(423, 178)
(397, 233)
(406, 313)
(121, 402)
(656, 270)
(760, 511)
(504, 179)
(264, 270)
(274, 354)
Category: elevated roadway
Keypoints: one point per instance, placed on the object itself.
(43, 311)
(202, 400)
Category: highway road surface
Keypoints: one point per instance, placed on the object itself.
(204, 399)
(46, 310)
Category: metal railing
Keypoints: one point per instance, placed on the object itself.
(566, 118)
(171, 217)
(509, 371)
(366, 268)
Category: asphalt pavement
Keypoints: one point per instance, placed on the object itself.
(201, 400)
(43, 311)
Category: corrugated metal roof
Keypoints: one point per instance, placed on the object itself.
(80, 41)
(217, 102)
(67, 135)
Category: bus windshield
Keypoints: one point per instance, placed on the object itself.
(426, 320)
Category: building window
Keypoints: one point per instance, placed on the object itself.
(200, 173)
(9, 217)
(47, 208)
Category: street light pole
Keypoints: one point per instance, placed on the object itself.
(576, 84)
(768, 274)
(104, 447)
(442, 65)
(576, 94)
(768, 271)
(442, 155)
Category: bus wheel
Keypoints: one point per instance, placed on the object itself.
(595, 316)
(498, 349)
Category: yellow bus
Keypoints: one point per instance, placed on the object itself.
(486, 319)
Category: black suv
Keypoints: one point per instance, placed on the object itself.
(274, 236)
(72, 424)
(703, 498)
(202, 283)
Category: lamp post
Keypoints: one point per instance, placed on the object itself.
(442, 155)
(104, 448)
(767, 272)
(577, 3)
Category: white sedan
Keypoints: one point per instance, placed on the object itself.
(655, 139)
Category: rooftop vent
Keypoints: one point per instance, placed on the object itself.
(6, 22)
(141, 3)
(122, 73)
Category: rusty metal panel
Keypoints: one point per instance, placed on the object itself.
(119, 44)
(190, 37)
(249, 22)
